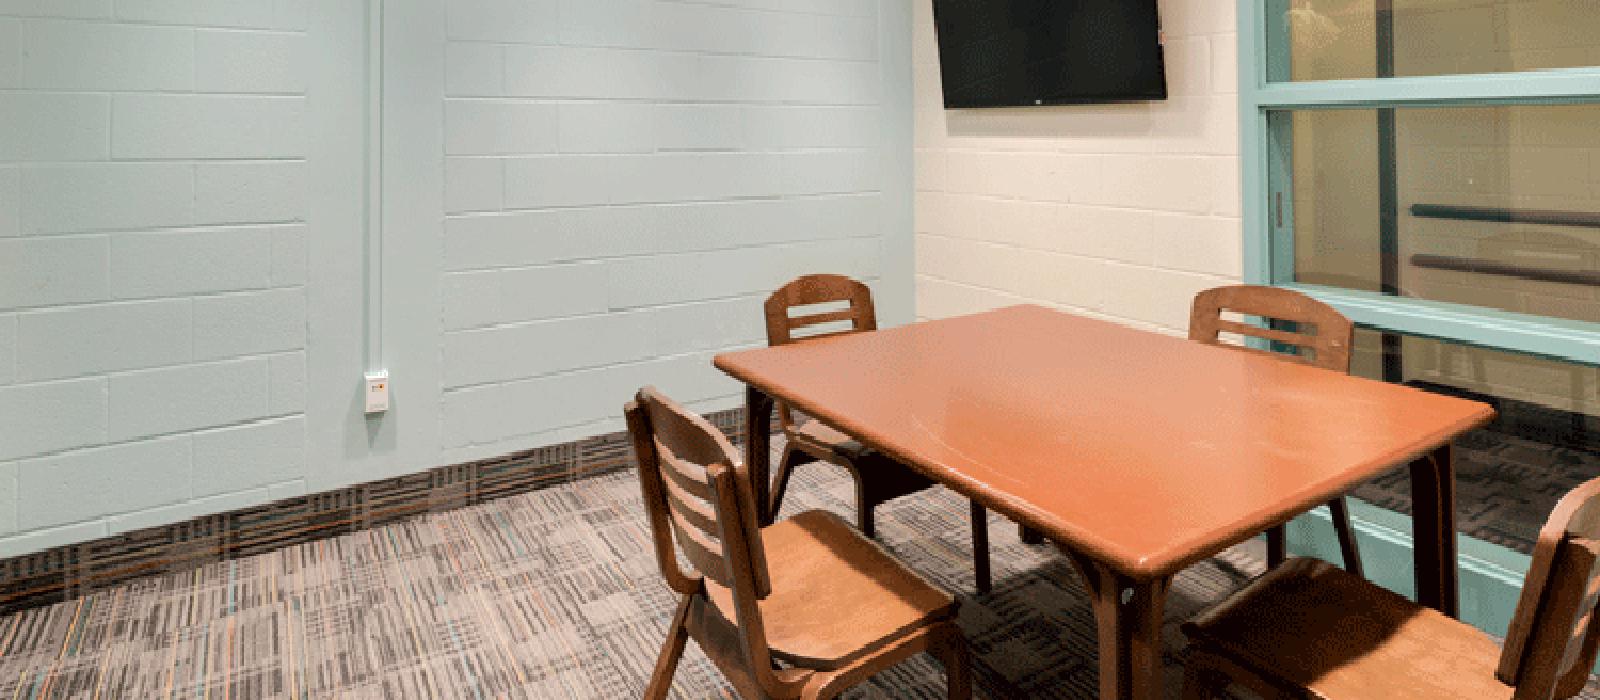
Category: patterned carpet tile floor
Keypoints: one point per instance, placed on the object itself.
(552, 594)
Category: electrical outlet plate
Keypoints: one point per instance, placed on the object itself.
(377, 392)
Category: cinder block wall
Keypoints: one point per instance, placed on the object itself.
(577, 197)
(623, 179)
(153, 262)
(1121, 212)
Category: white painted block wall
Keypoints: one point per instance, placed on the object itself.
(626, 179)
(1118, 211)
(153, 263)
(578, 197)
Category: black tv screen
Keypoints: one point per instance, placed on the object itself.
(1002, 53)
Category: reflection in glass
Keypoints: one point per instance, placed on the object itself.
(1509, 476)
(1344, 39)
(1497, 206)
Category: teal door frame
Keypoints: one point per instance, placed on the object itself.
(1491, 575)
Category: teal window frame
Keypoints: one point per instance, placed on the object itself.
(1264, 150)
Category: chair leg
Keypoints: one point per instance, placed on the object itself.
(980, 548)
(671, 651)
(1195, 684)
(816, 692)
(1348, 549)
(785, 467)
(865, 505)
(1207, 675)
(957, 666)
(1277, 547)
(1202, 680)
(868, 522)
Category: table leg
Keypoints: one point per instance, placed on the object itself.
(982, 577)
(1277, 546)
(1128, 615)
(758, 449)
(1433, 517)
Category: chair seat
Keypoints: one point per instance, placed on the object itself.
(825, 443)
(1312, 625)
(836, 596)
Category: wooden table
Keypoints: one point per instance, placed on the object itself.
(1138, 454)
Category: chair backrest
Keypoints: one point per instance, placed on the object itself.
(1552, 642)
(694, 487)
(811, 290)
(698, 493)
(819, 289)
(1303, 329)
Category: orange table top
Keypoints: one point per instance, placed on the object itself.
(1144, 451)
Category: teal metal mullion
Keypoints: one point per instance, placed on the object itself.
(1533, 87)
(1258, 252)
(1565, 340)
(1278, 136)
(1280, 196)
(1388, 192)
(1253, 66)
(1278, 51)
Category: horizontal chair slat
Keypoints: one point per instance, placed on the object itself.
(829, 317)
(680, 474)
(824, 335)
(703, 552)
(1298, 339)
(696, 511)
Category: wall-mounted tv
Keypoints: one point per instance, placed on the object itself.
(1004, 53)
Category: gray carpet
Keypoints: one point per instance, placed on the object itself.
(552, 594)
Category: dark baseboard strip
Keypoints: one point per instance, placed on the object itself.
(70, 571)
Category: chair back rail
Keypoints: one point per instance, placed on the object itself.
(1295, 328)
(698, 494)
(1554, 635)
(810, 290)
(1310, 331)
(680, 457)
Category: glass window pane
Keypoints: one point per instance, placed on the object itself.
(1497, 206)
(1350, 39)
(1544, 442)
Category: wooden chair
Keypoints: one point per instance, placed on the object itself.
(878, 478)
(1300, 329)
(834, 610)
(1309, 630)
